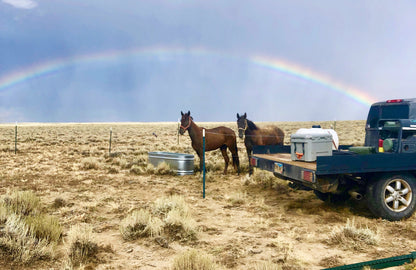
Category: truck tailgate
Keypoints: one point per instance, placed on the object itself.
(285, 158)
(281, 164)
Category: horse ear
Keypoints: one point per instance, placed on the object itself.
(189, 113)
(181, 113)
(238, 116)
(245, 115)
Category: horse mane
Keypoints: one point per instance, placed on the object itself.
(251, 125)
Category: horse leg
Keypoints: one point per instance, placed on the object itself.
(250, 168)
(236, 160)
(226, 158)
(199, 153)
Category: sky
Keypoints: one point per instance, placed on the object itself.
(146, 61)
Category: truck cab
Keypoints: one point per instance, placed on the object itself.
(387, 119)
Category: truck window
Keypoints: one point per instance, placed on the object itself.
(373, 116)
(387, 112)
(395, 112)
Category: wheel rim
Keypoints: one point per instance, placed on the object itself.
(397, 195)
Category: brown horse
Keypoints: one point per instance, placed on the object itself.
(219, 137)
(256, 136)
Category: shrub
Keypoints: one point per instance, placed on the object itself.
(44, 227)
(164, 169)
(90, 163)
(22, 203)
(3, 213)
(164, 205)
(81, 244)
(27, 234)
(194, 260)
(179, 226)
(140, 224)
(18, 242)
(353, 236)
(237, 198)
(136, 169)
(269, 265)
(264, 178)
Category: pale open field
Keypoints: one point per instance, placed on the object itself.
(243, 223)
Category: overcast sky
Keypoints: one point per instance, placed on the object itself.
(130, 60)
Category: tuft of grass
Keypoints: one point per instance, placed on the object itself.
(168, 215)
(4, 213)
(194, 260)
(90, 163)
(237, 198)
(164, 169)
(268, 265)
(113, 170)
(20, 245)
(26, 234)
(164, 205)
(179, 226)
(22, 203)
(44, 227)
(263, 178)
(82, 247)
(58, 203)
(138, 170)
(140, 224)
(352, 236)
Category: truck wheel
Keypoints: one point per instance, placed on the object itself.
(392, 197)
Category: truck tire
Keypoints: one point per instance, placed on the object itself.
(392, 197)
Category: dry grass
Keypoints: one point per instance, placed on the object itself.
(27, 234)
(353, 236)
(194, 260)
(244, 222)
(140, 223)
(180, 226)
(268, 265)
(22, 203)
(162, 206)
(237, 198)
(90, 163)
(20, 245)
(81, 244)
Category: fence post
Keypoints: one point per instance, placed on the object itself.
(203, 163)
(111, 135)
(15, 139)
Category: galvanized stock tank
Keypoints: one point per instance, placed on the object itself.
(183, 164)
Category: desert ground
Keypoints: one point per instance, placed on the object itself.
(244, 222)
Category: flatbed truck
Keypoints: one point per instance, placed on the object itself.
(383, 171)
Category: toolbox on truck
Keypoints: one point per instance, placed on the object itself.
(306, 145)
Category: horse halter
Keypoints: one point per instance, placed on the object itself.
(246, 126)
(189, 124)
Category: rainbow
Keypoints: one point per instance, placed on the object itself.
(9, 80)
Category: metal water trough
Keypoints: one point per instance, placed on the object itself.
(183, 164)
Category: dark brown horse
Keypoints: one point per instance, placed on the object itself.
(256, 136)
(219, 137)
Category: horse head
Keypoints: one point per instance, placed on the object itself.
(186, 121)
(241, 124)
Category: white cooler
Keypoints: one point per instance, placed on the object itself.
(307, 144)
